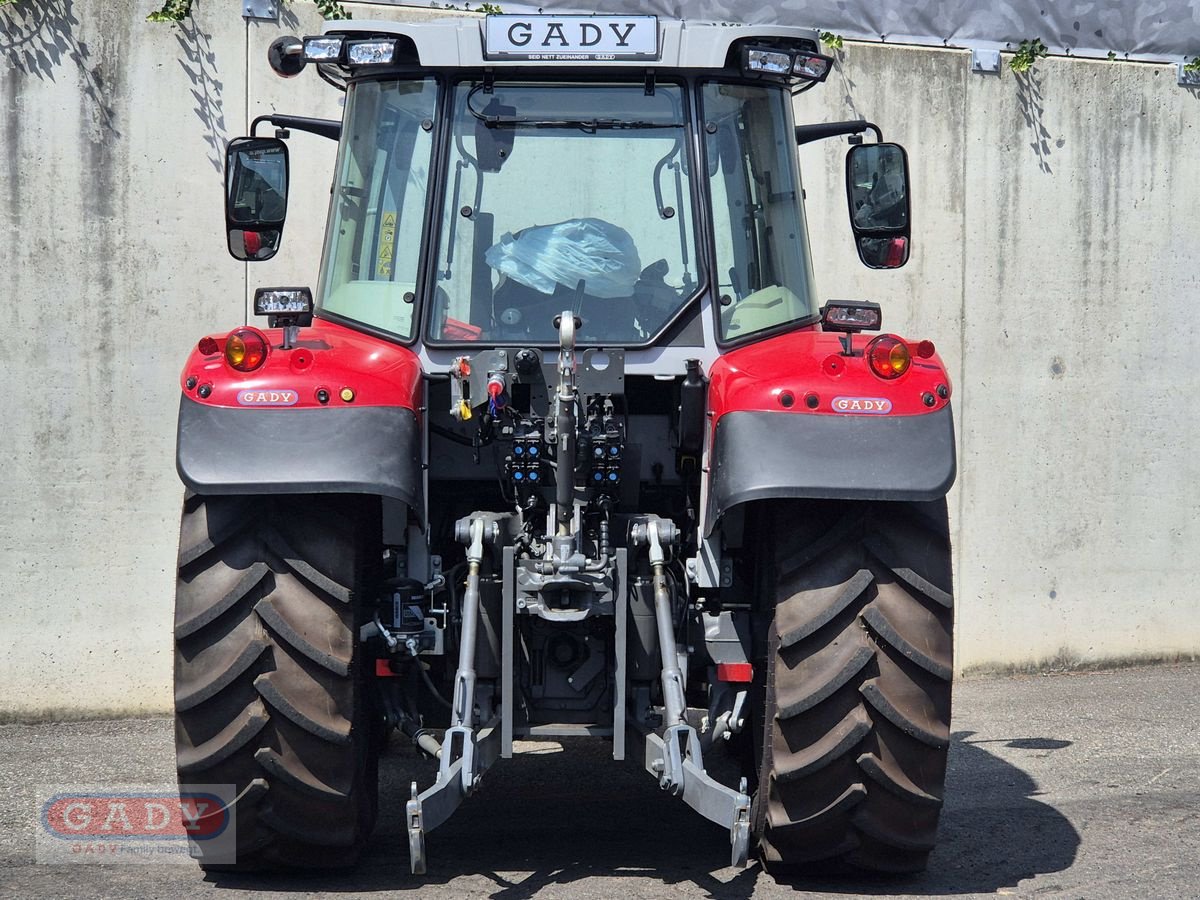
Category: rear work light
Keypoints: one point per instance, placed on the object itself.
(888, 356)
(811, 67)
(782, 61)
(322, 49)
(289, 308)
(282, 301)
(851, 316)
(246, 349)
(371, 53)
(771, 62)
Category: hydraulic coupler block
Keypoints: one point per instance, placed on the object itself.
(606, 465)
(604, 447)
(523, 465)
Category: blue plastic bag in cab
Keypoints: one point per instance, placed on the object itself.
(600, 254)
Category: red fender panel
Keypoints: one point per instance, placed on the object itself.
(337, 413)
(794, 416)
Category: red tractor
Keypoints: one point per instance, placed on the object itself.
(564, 445)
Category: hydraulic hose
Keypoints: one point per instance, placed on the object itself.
(433, 687)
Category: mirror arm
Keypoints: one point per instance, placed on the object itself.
(327, 128)
(819, 131)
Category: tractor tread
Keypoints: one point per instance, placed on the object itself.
(189, 695)
(800, 557)
(332, 729)
(806, 852)
(875, 617)
(873, 857)
(322, 834)
(293, 774)
(208, 614)
(904, 837)
(280, 546)
(780, 819)
(935, 734)
(895, 781)
(846, 735)
(833, 669)
(887, 554)
(268, 610)
(798, 620)
(225, 743)
(859, 661)
(270, 680)
(201, 532)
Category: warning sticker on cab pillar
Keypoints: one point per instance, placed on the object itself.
(387, 245)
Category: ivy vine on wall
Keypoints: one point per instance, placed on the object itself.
(1028, 53)
(833, 41)
(178, 10)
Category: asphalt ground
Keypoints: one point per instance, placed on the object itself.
(1060, 786)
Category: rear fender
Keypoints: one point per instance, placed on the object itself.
(268, 431)
(795, 418)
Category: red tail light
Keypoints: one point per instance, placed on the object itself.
(738, 672)
(888, 356)
(246, 349)
(897, 253)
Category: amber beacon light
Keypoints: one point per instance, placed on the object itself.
(246, 349)
(888, 356)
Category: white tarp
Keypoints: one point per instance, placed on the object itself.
(1162, 30)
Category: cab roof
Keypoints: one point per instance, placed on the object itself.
(459, 42)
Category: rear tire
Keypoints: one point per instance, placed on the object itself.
(856, 711)
(270, 689)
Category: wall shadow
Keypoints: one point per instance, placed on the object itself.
(36, 38)
(848, 83)
(289, 21)
(993, 832)
(1029, 96)
(199, 63)
(554, 817)
(565, 816)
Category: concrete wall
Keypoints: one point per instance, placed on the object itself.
(114, 264)
(1056, 270)
(1055, 220)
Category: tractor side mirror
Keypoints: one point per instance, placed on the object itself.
(256, 185)
(877, 192)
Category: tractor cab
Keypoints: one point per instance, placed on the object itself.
(638, 172)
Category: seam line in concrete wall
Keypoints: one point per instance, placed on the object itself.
(961, 406)
(246, 82)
